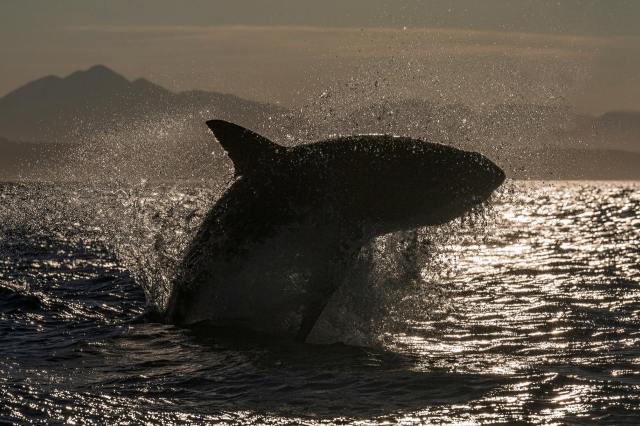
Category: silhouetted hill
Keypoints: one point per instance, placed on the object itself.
(96, 122)
(520, 126)
(55, 109)
(619, 127)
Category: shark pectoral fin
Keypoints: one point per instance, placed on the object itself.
(310, 316)
(345, 254)
(247, 149)
(319, 298)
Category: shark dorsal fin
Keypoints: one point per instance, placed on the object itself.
(248, 150)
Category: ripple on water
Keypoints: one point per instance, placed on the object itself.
(540, 323)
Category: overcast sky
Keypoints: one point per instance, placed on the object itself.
(582, 52)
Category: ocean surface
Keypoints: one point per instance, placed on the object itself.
(526, 313)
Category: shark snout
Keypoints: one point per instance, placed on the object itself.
(496, 174)
(489, 176)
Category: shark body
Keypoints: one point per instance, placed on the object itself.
(275, 246)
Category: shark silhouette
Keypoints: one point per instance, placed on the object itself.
(275, 247)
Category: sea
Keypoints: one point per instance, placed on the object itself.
(525, 313)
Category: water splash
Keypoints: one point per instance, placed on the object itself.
(400, 279)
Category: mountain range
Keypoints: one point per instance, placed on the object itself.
(98, 122)
(55, 109)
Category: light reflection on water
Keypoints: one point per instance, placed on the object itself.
(542, 325)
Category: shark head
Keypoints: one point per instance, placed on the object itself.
(393, 183)
(385, 182)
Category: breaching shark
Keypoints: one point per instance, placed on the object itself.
(277, 244)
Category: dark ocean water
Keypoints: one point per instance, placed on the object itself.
(529, 314)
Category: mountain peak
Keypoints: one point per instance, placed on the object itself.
(100, 68)
(98, 73)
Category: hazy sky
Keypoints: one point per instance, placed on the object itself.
(582, 52)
